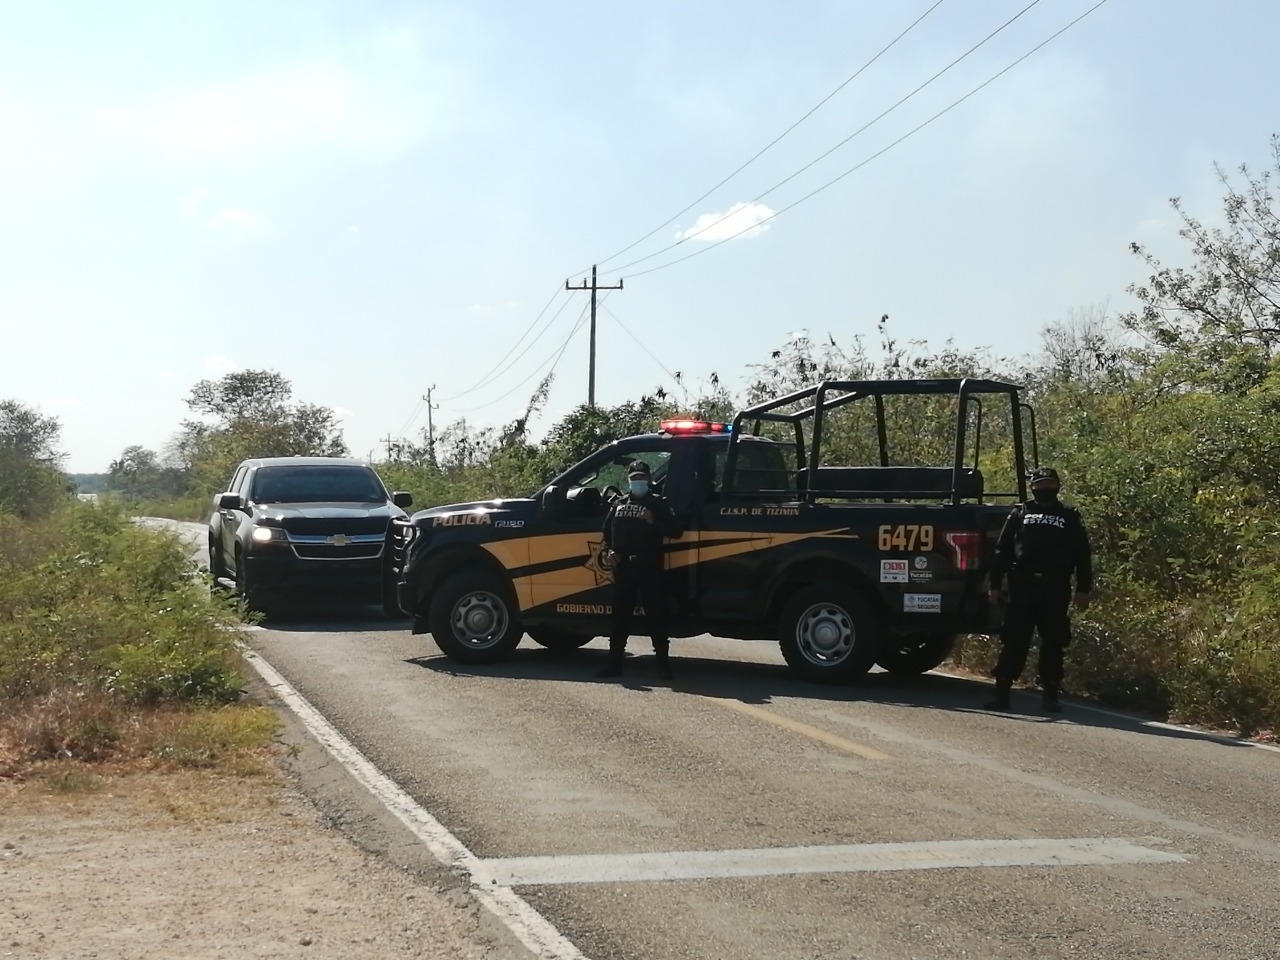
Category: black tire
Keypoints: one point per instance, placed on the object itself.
(246, 590)
(915, 653)
(217, 571)
(390, 603)
(473, 618)
(559, 639)
(829, 634)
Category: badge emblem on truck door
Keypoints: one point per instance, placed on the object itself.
(600, 562)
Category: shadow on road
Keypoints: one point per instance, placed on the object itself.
(762, 683)
(745, 682)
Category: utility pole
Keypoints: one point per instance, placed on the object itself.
(390, 444)
(431, 429)
(591, 370)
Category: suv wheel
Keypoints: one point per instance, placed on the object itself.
(916, 653)
(217, 570)
(246, 590)
(472, 618)
(829, 634)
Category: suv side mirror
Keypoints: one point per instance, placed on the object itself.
(553, 503)
(230, 501)
(402, 499)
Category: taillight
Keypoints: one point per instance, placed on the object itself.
(966, 549)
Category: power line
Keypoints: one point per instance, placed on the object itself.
(404, 430)
(772, 143)
(489, 377)
(866, 126)
(878, 153)
(554, 360)
(627, 331)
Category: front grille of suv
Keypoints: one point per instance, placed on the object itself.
(322, 527)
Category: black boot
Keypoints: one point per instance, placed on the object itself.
(662, 655)
(1000, 699)
(1049, 702)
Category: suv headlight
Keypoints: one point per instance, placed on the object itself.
(265, 534)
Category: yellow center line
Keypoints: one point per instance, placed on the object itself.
(795, 726)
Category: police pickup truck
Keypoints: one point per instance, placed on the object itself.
(846, 566)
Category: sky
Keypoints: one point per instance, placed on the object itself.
(381, 199)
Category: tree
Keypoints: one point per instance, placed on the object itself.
(1223, 313)
(246, 414)
(30, 481)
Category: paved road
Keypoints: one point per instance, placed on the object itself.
(803, 822)
(737, 813)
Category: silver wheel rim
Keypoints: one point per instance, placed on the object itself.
(825, 634)
(479, 619)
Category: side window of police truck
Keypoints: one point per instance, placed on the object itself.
(592, 490)
(762, 471)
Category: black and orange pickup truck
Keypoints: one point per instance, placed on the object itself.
(846, 566)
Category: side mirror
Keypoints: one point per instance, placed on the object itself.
(553, 503)
(402, 499)
(230, 501)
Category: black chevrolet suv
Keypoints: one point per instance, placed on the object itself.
(294, 524)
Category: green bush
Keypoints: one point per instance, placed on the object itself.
(90, 601)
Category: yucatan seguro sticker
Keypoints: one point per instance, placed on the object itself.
(893, 571)
(922, 603)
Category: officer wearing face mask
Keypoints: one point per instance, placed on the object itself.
(634, 530)
(1043, 543)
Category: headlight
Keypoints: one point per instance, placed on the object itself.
(263, 534)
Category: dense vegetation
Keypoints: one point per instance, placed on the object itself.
(1165, 423)
(111, 648)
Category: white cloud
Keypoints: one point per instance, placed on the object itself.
(61, 403)
(353, 229)
(217, 363)
(343, 413)
(238, 217)
(167, 373)
(740, 220)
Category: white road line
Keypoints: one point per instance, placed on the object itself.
(530, 927)
(854, 858)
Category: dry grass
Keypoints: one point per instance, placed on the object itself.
(40, 736)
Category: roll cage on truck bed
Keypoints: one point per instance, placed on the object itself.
(846, 566)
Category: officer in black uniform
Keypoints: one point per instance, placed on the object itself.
(633, 531)
(1043, 543)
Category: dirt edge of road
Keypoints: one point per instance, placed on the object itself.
(303, 864)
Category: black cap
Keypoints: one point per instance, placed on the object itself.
(1044, 473)
(638, 468)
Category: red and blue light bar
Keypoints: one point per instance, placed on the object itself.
(692, 427)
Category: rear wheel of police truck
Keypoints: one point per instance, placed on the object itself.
(829, 634)
(559, 639)
(473, 618)
(912, 654)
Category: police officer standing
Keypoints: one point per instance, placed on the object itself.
(1043, 543)
(633, 531)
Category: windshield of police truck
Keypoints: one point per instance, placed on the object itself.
(317, 484)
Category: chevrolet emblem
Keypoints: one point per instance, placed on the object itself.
(340, 540)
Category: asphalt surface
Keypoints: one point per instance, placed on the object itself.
(739, 813)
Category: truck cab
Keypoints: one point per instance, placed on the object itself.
(845, 565)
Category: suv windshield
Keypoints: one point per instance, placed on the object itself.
(317, 484)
